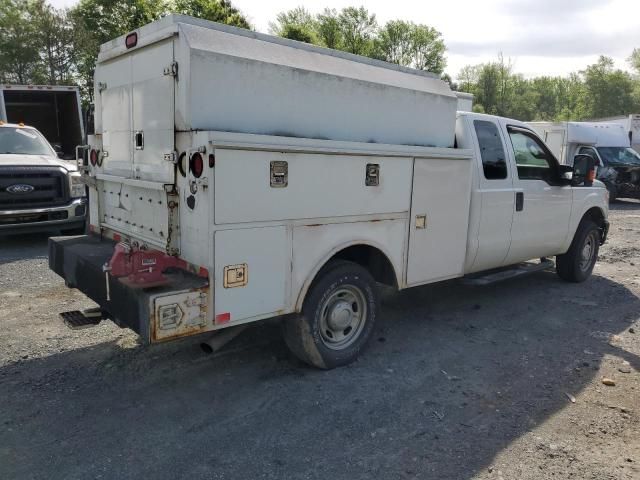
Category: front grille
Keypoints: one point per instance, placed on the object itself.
(49, 184)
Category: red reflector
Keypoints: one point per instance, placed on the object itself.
(93, 157)
(223, 317)
(212, 160)
(196, 165)
(131, 40)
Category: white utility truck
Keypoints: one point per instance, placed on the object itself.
(236, 177)
(609, 145)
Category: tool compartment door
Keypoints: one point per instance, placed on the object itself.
(114, 99)
(136, 102)
(252, 272)
(439, 219)
(153, 90)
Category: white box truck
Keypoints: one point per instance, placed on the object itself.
(54, 110)
(609, 145)
(236, 177)
(631, 125)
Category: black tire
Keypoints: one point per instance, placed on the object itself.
(613, 192)
(338, 317)
(577, 264)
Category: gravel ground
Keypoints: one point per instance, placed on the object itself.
(499, 382)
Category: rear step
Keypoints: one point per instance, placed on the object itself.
(77, 319)
(519, 270)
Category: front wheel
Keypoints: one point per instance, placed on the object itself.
(337, 318)
(577, 264)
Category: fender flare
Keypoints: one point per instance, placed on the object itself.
(328, 256)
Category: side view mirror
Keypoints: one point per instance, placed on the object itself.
(584, 170)
(566, 174)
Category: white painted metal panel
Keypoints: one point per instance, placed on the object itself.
(153, 111)
(115, 116)
(135, 208)
(237, 80)
(314, 245)
(267, 254)
(318, 186)
(441, 191)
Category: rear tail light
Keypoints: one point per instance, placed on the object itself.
(196, 165)
(131, 40)
(93, 157)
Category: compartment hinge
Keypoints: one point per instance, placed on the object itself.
(171, 157)
(172, 69)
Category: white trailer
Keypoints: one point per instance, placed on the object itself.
(236, 177)
(608, 144)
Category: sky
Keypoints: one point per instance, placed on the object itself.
(541, 37)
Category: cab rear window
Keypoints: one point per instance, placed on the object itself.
(494, 161)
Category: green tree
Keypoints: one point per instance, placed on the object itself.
(299, 33)
(299, 17)
(428, 49)
(411, 45)
(221, 11)
(19, 49)
(608, 91)
(395, 42)
(468, 78)
(54, 36)
(328, 29)
(358, 30)
(634, 60)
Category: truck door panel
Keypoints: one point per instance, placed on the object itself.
(541, 227)
(495, 195)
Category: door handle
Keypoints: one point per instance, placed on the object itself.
(519, 201)
(138, 139)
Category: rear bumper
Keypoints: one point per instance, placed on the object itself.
(79, 261)
(65, 217)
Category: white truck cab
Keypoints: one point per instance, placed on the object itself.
(236, 177)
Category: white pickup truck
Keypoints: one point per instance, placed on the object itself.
(236, 177)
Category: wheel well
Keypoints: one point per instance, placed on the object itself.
(596, 215)
(373, 260)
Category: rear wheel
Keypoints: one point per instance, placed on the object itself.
(337, 318)
(577, 264)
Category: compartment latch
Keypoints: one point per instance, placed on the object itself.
(373, 175)
(279, 174)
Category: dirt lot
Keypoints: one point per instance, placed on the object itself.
(459, 383)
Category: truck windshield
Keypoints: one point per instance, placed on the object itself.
(619, 155)
(23, 141)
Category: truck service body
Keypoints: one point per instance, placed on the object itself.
(236, 177)
(608, 143)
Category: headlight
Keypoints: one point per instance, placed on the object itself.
(77, 188)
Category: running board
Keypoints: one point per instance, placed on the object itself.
(508, 273)
(77, 320)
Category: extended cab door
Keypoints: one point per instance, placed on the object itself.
(543, 205)
(494, 199)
